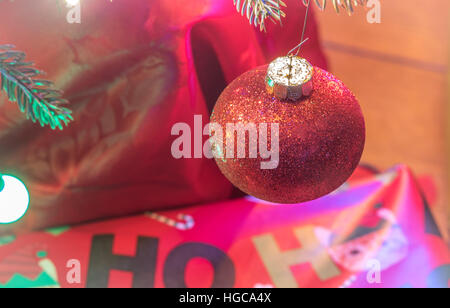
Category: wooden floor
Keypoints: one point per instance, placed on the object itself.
(399, 71)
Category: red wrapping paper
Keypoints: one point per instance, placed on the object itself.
(375, 231)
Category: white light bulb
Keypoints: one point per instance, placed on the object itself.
(72, 2)
(14, 200)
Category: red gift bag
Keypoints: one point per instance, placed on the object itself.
(375, 231)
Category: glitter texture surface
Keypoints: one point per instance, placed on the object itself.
(321, 137)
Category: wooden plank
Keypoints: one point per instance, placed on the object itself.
(414, 29)
(404, 111)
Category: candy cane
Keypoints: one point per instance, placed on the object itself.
(348, 282)
(186, 224)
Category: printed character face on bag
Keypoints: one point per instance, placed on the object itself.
(378, 238)
(388, 249)
(129, 70)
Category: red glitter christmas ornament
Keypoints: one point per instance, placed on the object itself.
(311, 119)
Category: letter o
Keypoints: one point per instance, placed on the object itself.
(179, 257)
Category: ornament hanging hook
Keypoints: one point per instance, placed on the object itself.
(297, 47)
(303, 40)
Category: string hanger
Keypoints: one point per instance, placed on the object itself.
(303, 40)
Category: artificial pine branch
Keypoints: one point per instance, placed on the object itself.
(337, 4)
(257, 11)
(35, 97)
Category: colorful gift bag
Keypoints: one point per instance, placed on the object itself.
(375, 231)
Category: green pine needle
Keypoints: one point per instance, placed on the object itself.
(35, 97)
(347, 5)
(258, 11)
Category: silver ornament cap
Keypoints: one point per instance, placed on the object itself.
(289, 78)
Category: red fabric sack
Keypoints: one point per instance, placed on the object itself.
(131, 69)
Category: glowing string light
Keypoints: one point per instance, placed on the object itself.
(14, 199)
(72, 2)
(75, 2)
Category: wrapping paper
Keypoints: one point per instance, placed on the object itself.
(131, 69)
(375, 231)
